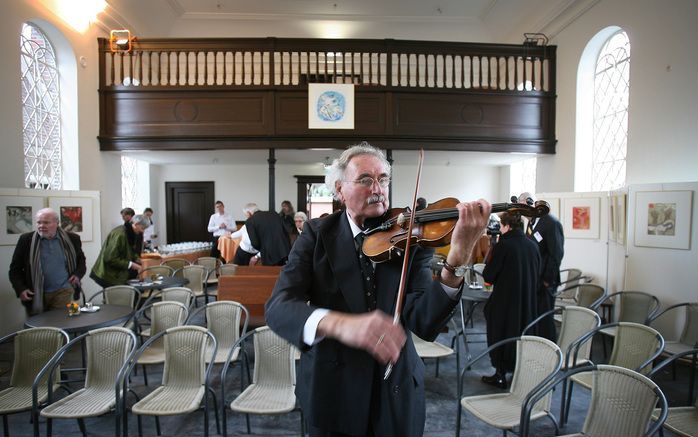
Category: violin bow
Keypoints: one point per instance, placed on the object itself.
(406, 258)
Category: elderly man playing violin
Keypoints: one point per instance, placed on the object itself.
(335, 305)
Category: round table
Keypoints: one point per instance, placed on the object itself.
(107, 315)
(165, 282)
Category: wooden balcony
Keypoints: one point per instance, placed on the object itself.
(252, 93)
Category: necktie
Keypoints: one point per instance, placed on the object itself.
(367, 275)
(529, 228)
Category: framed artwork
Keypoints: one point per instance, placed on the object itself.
(75, 214)
(612, 218)
(581, 217)
(330, 106)
(621, 217)
(663, 219)
(17, 216)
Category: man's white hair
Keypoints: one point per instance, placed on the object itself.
(250, 208)
(335, 174)
(49, 211)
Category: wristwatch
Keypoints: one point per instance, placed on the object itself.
(458, 271)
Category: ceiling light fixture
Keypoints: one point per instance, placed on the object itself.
(120, 40)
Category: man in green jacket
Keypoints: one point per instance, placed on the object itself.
(117, 256)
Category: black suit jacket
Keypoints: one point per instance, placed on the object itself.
(20, 271)
(267, 234)
(335, 381)
(551, 247)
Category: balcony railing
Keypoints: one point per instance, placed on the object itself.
(291, 63)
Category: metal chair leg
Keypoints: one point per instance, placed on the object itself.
(157, 425)
(5, 425)
(81, 424)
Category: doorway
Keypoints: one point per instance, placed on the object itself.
(314, 198)
(189, 206)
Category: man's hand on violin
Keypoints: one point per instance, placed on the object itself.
(472, 220)
(373, 332)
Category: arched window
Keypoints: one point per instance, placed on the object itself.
(41, 110)
(603, 88)
(611, 91)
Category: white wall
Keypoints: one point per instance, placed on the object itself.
(236, 185)
(662, 123)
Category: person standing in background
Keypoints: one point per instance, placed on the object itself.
(218, 225)
(268, 235)
(47, 265)
(117, 261)
(299, 219)
(149, 232)
(546, 231)
(287, 215)
(513, 268)
(245, 252)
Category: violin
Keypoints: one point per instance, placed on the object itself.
(432, 227)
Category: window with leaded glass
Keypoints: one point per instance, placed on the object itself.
(41, 110)
(129, 182)
(610, 131)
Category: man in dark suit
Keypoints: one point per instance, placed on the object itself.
(546, 231)
(268, 235)
(47, 265)
(333, 304)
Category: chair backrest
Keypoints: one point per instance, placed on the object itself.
(209, 262)
(274, 363)
(185, 352)
(177, 264)
(258, 270)
(636, 306)
(622, 402)
(577, 321)
(536, 359)
(223, 320)
(153, 271)
(690, 327)
(33, 348)
(227, 269)
(569, 279)
(634, 345)
(123, 295)
(587, 294)
(166, 315)
(107, 350)
(182, 295)
(196, 275)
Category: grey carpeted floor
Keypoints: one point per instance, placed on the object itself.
(441, 394)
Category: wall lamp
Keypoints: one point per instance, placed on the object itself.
(120, 40)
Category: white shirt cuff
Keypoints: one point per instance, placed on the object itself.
(310, 327)
(450, 291)
(130, 264)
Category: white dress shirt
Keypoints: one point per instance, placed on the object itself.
(214, 224)
(245, 243)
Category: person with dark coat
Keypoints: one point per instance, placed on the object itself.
(47, 265)
(546, 232)
(333, 305)
(268, 235)
(513, 269)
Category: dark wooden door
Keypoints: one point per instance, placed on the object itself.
(189, 207)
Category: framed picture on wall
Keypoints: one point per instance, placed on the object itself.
(612, 218)
(581, 217)
(17, 216)
(621, 217)
(330, 106)
(663, 219)
(75, 215)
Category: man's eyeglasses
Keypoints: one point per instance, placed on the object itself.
(368, 181)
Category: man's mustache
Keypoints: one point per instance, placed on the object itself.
(376, 198)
